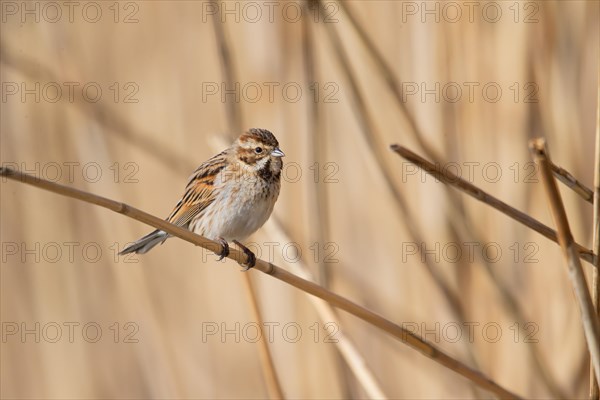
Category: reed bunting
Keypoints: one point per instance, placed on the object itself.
(229, 196)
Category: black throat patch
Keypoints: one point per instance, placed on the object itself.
(267, 174)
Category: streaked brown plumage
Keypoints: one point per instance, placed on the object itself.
(230, 195)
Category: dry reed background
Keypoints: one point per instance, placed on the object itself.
(173, 54)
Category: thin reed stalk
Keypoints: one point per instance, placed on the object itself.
(355, 361)
(571, 182)
(318, 223)
(594, 390)
(270, 373)
(392, 81)
(591, 326)
(233, 111)
(456, 181)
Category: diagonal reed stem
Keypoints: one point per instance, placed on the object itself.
(345, 346)
(395, 330)
(452, 179)
(591, 326)
(572, 183)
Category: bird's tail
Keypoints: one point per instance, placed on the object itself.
(144, 244)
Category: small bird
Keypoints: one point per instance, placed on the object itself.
(229, 196)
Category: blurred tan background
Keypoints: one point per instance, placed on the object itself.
(125, 99)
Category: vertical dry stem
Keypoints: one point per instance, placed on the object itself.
(273, 385)
(594, 391)
(589, 318)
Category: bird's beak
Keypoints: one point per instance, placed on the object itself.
(277, 152)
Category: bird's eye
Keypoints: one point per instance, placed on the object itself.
(258, 150)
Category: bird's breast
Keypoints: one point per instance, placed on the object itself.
(243, 204)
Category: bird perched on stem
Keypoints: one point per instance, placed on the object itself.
(229, 196)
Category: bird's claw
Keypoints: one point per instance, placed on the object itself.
(250, 257)
(224, 249)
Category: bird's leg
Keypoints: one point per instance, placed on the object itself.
(250, 257)
(225, 248)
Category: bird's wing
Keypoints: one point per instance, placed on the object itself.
(199, 192)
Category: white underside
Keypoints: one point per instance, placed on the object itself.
(235, 215)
